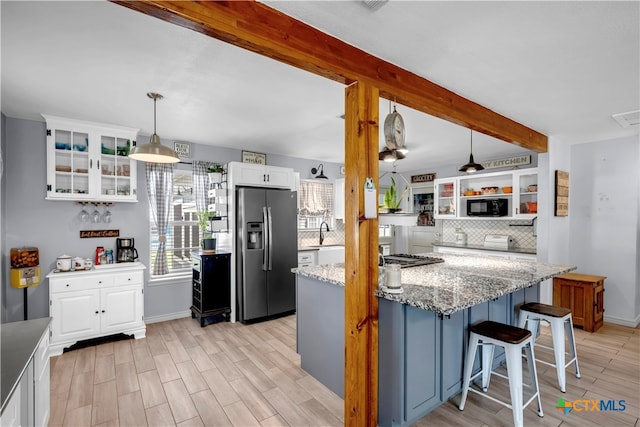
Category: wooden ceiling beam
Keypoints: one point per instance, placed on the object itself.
(261, 29)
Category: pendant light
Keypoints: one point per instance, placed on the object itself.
(472, 166)
(154, 151)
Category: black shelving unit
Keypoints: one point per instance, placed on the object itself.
(211, 287)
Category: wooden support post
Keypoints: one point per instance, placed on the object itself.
(361, 260)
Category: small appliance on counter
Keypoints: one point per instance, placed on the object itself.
(498, 241)
(125, 250)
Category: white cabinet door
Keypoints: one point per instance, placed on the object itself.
(279, 177)
(42, 382)
(445, 200)
(121, 308)
(12, 414)
(338, 198)
(76, 315)
(248, 174)
(525, 193)
(89, 161)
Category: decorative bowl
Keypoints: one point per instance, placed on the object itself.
(507, 190)
(532, 189)
(489, 190)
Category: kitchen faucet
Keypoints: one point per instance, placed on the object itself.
(321, 234)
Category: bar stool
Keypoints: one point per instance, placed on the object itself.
(558, 318)
(513, 339)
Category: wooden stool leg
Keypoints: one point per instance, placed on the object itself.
(514, 369)
(468, 368)
(572, 343)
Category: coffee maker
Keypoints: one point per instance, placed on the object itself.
(125, 250)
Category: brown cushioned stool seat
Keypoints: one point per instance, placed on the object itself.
(547, 310)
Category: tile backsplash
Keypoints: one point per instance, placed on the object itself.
(312, 237)
(520, 230)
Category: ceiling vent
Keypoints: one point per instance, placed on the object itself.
(374, 4)
(628, 119)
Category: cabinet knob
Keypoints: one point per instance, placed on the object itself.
(67, 285)
(97, 312)
(103, 311)
(129, 279)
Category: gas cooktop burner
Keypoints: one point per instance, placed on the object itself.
(407, 260)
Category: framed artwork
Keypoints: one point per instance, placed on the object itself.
(562, 194)
(255, 158)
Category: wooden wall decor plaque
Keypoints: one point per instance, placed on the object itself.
(562, 194)
(90, 234)
(425, 177)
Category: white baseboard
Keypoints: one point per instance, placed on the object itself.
(165, 317)
(623, 322)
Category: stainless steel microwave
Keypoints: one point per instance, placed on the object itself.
(487, 207)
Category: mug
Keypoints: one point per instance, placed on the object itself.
(79, 263)
(88, 263)
(63, 263)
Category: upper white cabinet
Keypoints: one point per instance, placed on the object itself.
(446, 197)
(89, 161)
(261, 175)
(338, 199)
(519, 188)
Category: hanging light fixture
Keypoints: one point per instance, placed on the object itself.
(472, 166)
(154, 151)
(320, 171)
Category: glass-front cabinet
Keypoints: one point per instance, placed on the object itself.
(446, 197)
(89, 161)
(517, 189)
(525, 193)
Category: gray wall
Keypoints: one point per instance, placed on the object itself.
(52, 226)
(603, 212)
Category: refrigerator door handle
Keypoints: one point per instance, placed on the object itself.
(270, 238)
(265, 238)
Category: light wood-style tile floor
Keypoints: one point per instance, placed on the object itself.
(249, 375)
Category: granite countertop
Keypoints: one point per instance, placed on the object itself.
(19, 342)
(460, 282)
(531, 251)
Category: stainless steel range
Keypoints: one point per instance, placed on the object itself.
(407, 260)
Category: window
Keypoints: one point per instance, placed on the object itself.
(183, 236)
(315, 204)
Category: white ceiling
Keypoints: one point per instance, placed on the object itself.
(561, 68)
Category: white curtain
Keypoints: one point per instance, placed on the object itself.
(316, 198)
(200, 184)
(160, 191)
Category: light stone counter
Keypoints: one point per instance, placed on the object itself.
(462, 281)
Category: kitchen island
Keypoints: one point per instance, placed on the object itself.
(422, 332)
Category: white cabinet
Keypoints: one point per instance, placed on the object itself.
(338, 199)
(307, 258)
(89, 161)
(261, 175)
(519, 188)
(484, 252)
(12, 413)
(96, 303)
(41, 369)
(446, 197)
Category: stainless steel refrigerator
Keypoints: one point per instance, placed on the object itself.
(267, 250)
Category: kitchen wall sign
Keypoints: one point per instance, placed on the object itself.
(183, 149)
(89, 234)
(425, 177)
(507, 163)
(255, 158)
(562, 194)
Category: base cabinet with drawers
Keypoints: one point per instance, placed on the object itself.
(211, 286)
(96, 303)
(583, 294)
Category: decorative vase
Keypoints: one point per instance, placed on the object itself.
(208, 244)
(215, 177)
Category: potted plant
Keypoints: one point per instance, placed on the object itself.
(215, 173)
(208, 243)
(392, 200)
